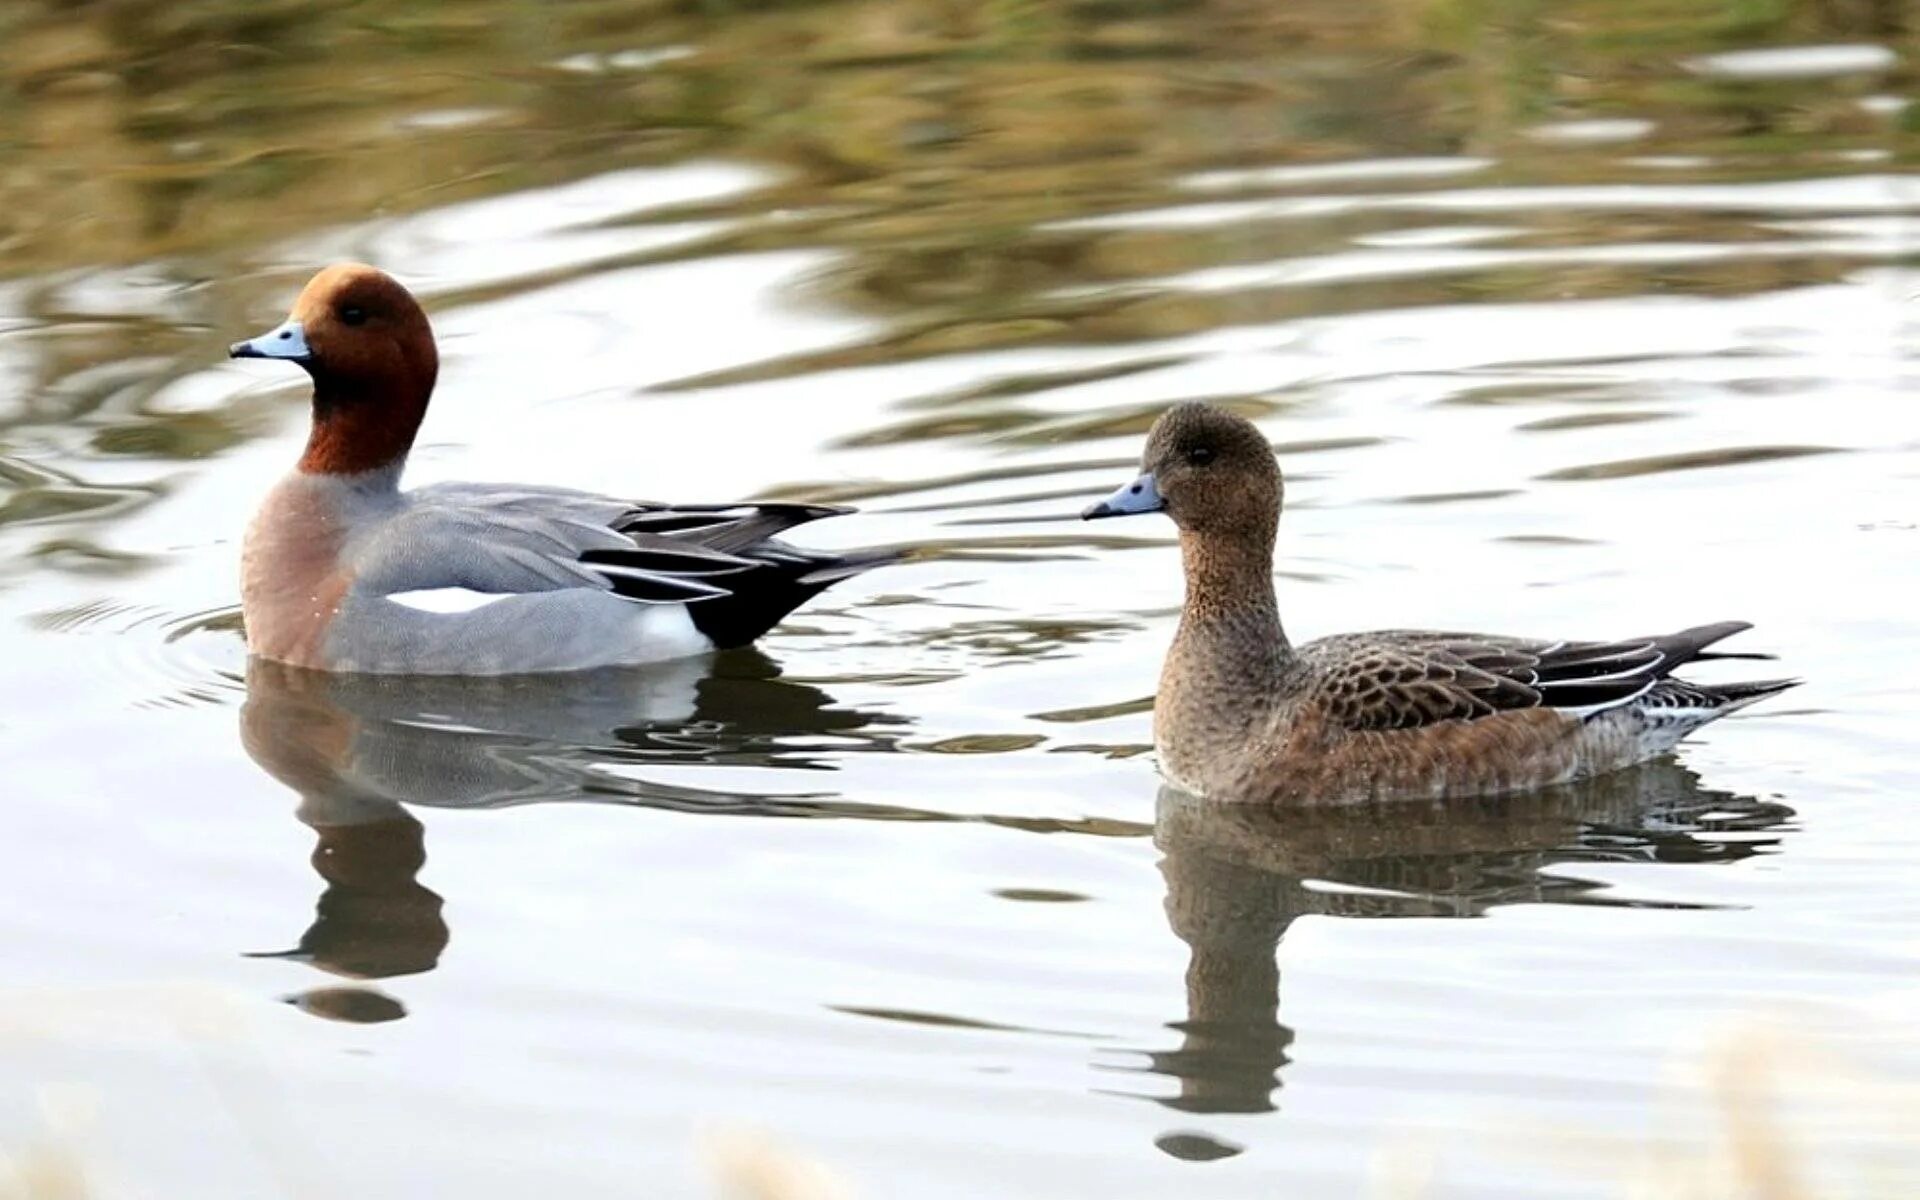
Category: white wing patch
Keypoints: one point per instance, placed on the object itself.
(447, 599)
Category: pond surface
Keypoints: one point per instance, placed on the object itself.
(1587, 319)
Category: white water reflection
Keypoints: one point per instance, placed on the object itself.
(506, 239)
(1873, 242)
(1848, 194)
(1374, 170)
(1595, 132)
(1796, 62)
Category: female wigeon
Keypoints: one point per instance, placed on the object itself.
(1243, 714)
(343, 571)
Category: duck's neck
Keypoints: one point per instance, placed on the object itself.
(360, 430)
(1230, 625)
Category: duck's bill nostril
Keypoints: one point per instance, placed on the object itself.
(288, 341)
(1140, 496)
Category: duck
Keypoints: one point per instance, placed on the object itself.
(1242, 713)
(344, 571)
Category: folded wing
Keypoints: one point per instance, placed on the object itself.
(725, 561)
(1409, 679)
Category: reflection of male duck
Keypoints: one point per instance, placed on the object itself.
(1238, 875)
(375, 920)
(359, 748)
(345, 742)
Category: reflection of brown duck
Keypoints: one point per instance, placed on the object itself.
(1238, 875)
(360, 750)
(375, 919)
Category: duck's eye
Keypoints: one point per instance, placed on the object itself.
(1200, 456)
(353, 314)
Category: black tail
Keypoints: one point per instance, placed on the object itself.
(727, 564)
(757, 599)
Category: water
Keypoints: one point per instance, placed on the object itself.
(1587, 324)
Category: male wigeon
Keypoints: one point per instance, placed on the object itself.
(343, 571)
(1243, 714)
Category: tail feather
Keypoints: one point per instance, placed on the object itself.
(1713, 699)
(1670, 707)
(1691, 644)
(1674, 708)
(750, 578)
(767, 594)
(1694, 704)
(1735, 696)
(853, 562)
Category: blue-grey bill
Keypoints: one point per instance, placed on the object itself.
(287, 340)
(1140, 496)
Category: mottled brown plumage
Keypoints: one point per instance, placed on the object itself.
(1243, 714)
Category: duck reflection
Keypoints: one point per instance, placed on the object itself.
(375, 920)
(360, 751)
(1238, 876)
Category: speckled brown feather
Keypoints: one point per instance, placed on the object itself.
(1242, 714)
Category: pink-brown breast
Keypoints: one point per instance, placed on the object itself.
(292, 582)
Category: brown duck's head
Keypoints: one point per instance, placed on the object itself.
(1208, 469)
(365, 341)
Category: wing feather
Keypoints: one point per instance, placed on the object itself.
(1408, 679)
(724, 559)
